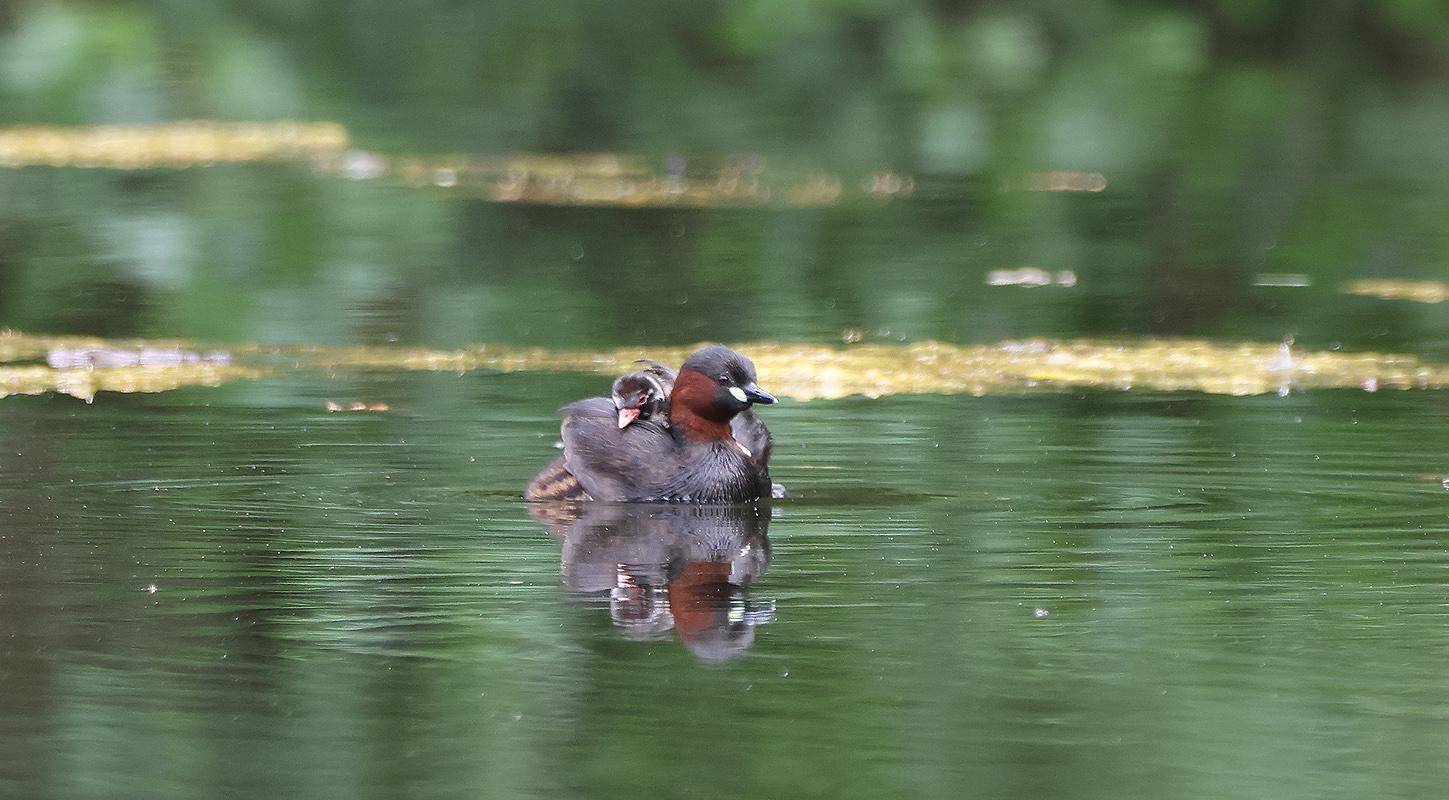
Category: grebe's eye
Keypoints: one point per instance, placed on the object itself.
(724, 380)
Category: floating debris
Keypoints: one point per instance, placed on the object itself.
(63, 357)
(332, 405)
(1286, 279)
(588, 179)
(622, 180)
(1030, 276)
(800, 371)
(1393, 289)
(1059, 181)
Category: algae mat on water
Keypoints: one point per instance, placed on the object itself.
(83, 366)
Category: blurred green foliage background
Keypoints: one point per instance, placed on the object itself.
(1237, 137)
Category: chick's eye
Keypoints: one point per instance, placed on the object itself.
(723, 380)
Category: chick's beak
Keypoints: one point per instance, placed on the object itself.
(626, 416)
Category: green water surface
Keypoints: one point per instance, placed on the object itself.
(1038, 596)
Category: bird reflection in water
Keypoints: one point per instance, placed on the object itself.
(669, 565)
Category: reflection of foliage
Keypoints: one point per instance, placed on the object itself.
(1236, 137)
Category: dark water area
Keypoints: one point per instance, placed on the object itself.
(1088, 596)
(237, 592)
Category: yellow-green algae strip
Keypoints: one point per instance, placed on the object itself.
(1399, 289)
(134, 365)
(87, 383)
(799, 371)
(177, 145)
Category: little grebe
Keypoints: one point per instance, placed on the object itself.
(645, 395)
(697, 457)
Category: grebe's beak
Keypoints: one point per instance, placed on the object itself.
(626, 416)
(757, 395)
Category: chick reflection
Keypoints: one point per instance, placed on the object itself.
(668, 565)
